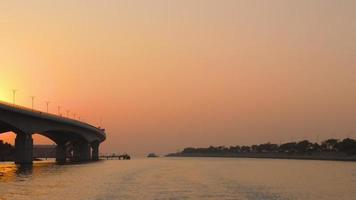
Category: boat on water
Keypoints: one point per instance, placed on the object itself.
(152, 155)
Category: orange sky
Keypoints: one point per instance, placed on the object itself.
(164, 74)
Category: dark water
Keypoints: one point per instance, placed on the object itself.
(182, 178)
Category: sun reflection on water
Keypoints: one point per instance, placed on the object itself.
(10, 172)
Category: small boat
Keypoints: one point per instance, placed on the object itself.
(152, 155)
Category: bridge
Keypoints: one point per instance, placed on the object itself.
(76, 140)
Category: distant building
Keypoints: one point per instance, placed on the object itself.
(44, 151)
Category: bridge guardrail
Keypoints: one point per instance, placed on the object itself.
(23, 108)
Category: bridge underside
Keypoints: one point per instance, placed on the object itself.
(70, 147)
(74, 150)
(76, 141)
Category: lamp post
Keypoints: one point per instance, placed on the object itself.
(47, 104)
(13, 96)
(59, 110)
(33, 100)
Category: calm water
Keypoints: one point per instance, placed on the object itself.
(182, 178)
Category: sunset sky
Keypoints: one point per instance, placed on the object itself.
(164, 74)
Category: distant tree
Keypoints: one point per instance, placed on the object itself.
(347, 146)
(304, 147)
(316, 147)
(7, 151)
(330, 145)
(234, 149)
(245, 149)
(268, 147)
(189, 150)
(213, 149)
(254, 148)
(290, 147)
(222, 149)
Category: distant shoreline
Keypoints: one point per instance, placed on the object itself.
(330, 149)
(317, 156)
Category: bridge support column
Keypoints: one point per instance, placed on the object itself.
(81, 152)
(85, 151)
(76, 152)
(61, 153)
(23, 148)
(95, 151)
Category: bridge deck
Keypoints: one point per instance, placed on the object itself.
(49, 116)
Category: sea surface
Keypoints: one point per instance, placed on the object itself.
(181, 178)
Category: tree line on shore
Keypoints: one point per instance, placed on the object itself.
(7, 151)
(347, 146)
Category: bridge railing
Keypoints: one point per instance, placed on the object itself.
(15, 106)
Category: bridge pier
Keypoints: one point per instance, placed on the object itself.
(95, 151)
(61, 153)
(85, 151)
(23, 148)
(81, 152)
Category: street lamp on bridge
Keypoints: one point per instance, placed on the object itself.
(13, 95)
(68, 113)
(33, 100)
(47, 104)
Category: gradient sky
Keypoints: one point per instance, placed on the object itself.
(164, 75)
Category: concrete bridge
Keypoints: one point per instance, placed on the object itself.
(76, 140)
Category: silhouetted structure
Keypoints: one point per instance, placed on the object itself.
(152, 155)
(7, 151)
(44, 151)
(117, 157)
(83, 139)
